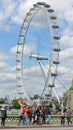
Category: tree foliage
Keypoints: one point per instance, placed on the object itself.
(15, 104)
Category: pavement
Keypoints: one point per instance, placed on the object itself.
(36, 126)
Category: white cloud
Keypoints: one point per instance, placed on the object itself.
(63, 70)
(3, 64)
(6, 9)
(69, 16)
(68, 32)
(13, 50)
(66, 41)
(27, 48)
(3, 56)
(67, 53)
(11, 76)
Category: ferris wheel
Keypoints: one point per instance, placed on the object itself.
(37, 55)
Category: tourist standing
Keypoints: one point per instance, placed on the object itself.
(21, 116)
(26, 115)
(68, 115)
(62, 117)
(3, 115)
(47, 114)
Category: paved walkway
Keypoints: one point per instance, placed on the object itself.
(41, 128)
(37, 126)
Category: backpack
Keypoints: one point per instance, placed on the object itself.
(62, 115)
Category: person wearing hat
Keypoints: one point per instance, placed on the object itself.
(3, 115)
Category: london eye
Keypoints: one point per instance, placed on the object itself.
(37, 56)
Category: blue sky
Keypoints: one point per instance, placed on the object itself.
(12, 13)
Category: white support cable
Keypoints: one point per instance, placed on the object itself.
(41, 66)
(61, 84)
(44, 74)
(56, 95)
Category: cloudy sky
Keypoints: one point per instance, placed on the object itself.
(12, 13)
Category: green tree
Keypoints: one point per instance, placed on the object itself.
(15, 104)
(57, 105)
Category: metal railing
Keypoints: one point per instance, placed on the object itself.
(13, 119)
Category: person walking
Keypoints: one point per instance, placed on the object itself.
(3, 115)
(21, 112)
(68, 115)
(21, 116)
(47, 114)
(26, 115)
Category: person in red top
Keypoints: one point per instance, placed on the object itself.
(26, 113)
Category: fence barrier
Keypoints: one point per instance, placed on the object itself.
(13, 119)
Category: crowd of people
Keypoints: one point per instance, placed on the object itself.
(66, 113)
(36, 115)
(42, 115)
